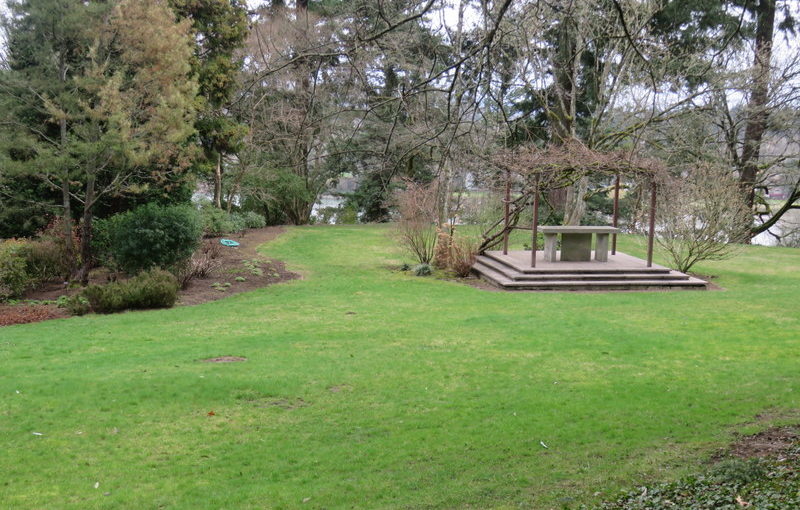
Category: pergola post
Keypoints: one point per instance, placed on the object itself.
(652, 231)
(615, 220)
(506, 205)
(535, 224)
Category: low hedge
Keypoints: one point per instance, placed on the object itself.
(151, 289)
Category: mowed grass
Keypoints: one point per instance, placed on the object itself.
(368, 388)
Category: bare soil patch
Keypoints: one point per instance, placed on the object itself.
(224, 359)
(768, 443)
(241, 269)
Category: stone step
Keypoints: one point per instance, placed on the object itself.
(503, 281)
(527, 277)
(495, 260)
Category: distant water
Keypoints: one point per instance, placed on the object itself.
(790, 222)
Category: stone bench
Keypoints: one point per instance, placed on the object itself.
(576, 242)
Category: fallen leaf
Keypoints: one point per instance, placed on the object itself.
(212, 413)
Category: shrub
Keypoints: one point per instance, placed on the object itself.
(239, 222)
(417, 206)
(701, 216)
(101, 241)
(456, 253)
(215, 221)
(423, 270)
(200, 265)
(254, 220)
(75, 305)
(463, 253)
(151, 289)
(154, 236)
(47, 259)
(14, 277)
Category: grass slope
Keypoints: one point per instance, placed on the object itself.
(366, 388)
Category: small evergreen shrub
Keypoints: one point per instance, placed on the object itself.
(154, 236)
(75, 305)
(423, 270)
(151, 289)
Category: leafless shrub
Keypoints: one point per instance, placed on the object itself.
(463, 253)
(455, 252)
(700, 216)
(211, 249)
(199, 266)
(417, 206)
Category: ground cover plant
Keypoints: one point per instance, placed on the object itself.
(370, 388)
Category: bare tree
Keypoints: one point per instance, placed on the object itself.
(701, 216)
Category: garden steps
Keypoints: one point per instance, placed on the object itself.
(622, 273)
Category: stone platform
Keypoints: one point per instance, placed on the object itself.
(620, 272)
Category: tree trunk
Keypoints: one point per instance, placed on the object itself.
(218, 182)
(66, 199)
(86, 230)
(563, 117)
(759, 97)
(575, 204)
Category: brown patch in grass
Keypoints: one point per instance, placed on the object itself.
(340, 388)
(224, 359)
(768, 443)
(282, 403)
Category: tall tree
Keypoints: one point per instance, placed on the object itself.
(128, 110)
(220, 28)
(46, 43)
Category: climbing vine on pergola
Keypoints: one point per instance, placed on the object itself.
(534, 170)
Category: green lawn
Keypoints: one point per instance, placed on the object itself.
(367, 388)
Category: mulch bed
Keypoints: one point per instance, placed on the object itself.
(25, 314)
(240, 263)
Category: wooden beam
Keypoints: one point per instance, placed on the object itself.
(615, 220)
(651, 235)
(506, 205)
(535, 224)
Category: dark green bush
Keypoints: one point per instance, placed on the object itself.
(151, 289)
(154, 236)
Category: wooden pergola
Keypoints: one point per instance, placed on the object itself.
(558, 167)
